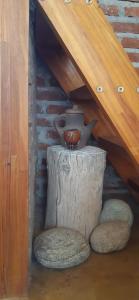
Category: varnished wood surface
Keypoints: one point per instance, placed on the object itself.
(81, 93)
(134, 182)
(92, 44)
(13, 147)
(122, 164)
(63, 69)
(91, 110)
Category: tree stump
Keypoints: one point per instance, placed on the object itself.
(75, 183)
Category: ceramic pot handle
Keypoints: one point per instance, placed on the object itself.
(59, 128)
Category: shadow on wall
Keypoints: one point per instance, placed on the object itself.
(50, 102)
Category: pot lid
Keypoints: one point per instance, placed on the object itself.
(74, 110)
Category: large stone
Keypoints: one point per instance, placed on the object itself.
(61, 248)
(115, 209)
(110, 236)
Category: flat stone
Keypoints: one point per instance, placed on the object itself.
(61, 248)
(110, 236)
(115, 209)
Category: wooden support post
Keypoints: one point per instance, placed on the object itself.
(13, 148)
(75, 188)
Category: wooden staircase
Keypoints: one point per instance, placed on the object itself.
(78, 44)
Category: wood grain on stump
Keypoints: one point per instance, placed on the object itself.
(75, 183)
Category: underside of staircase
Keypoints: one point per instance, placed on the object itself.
(78, 44)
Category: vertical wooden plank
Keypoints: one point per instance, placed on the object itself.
(13, 147)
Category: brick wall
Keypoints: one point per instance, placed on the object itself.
(124, 17)
(51, 100)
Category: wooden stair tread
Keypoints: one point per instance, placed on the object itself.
(120, 160)
(111, 139)
(103, 127)
(63, 69)
(54, 55)
(97, 66)
(81, 94)
(134, 183)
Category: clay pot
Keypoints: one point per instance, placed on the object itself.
(74, 132)
(72, 137)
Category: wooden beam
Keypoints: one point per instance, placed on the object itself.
(81, 94)
(13, 147)
(63, 69)
(103, 127)
(119, 159)
(87, 36)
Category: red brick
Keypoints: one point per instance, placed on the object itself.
(44, 163)
(130, 43)
(38, 109)
(132, 12)
(134, 57)
(43, 123)
(110, 10)
(42, 173)
(40, 81)
(42, 146)
(50, 94)
(125, 27)
(55, 109)
(53, 134)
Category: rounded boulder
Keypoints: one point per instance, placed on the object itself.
(115, 209)
(61, 248)
(110, 236)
